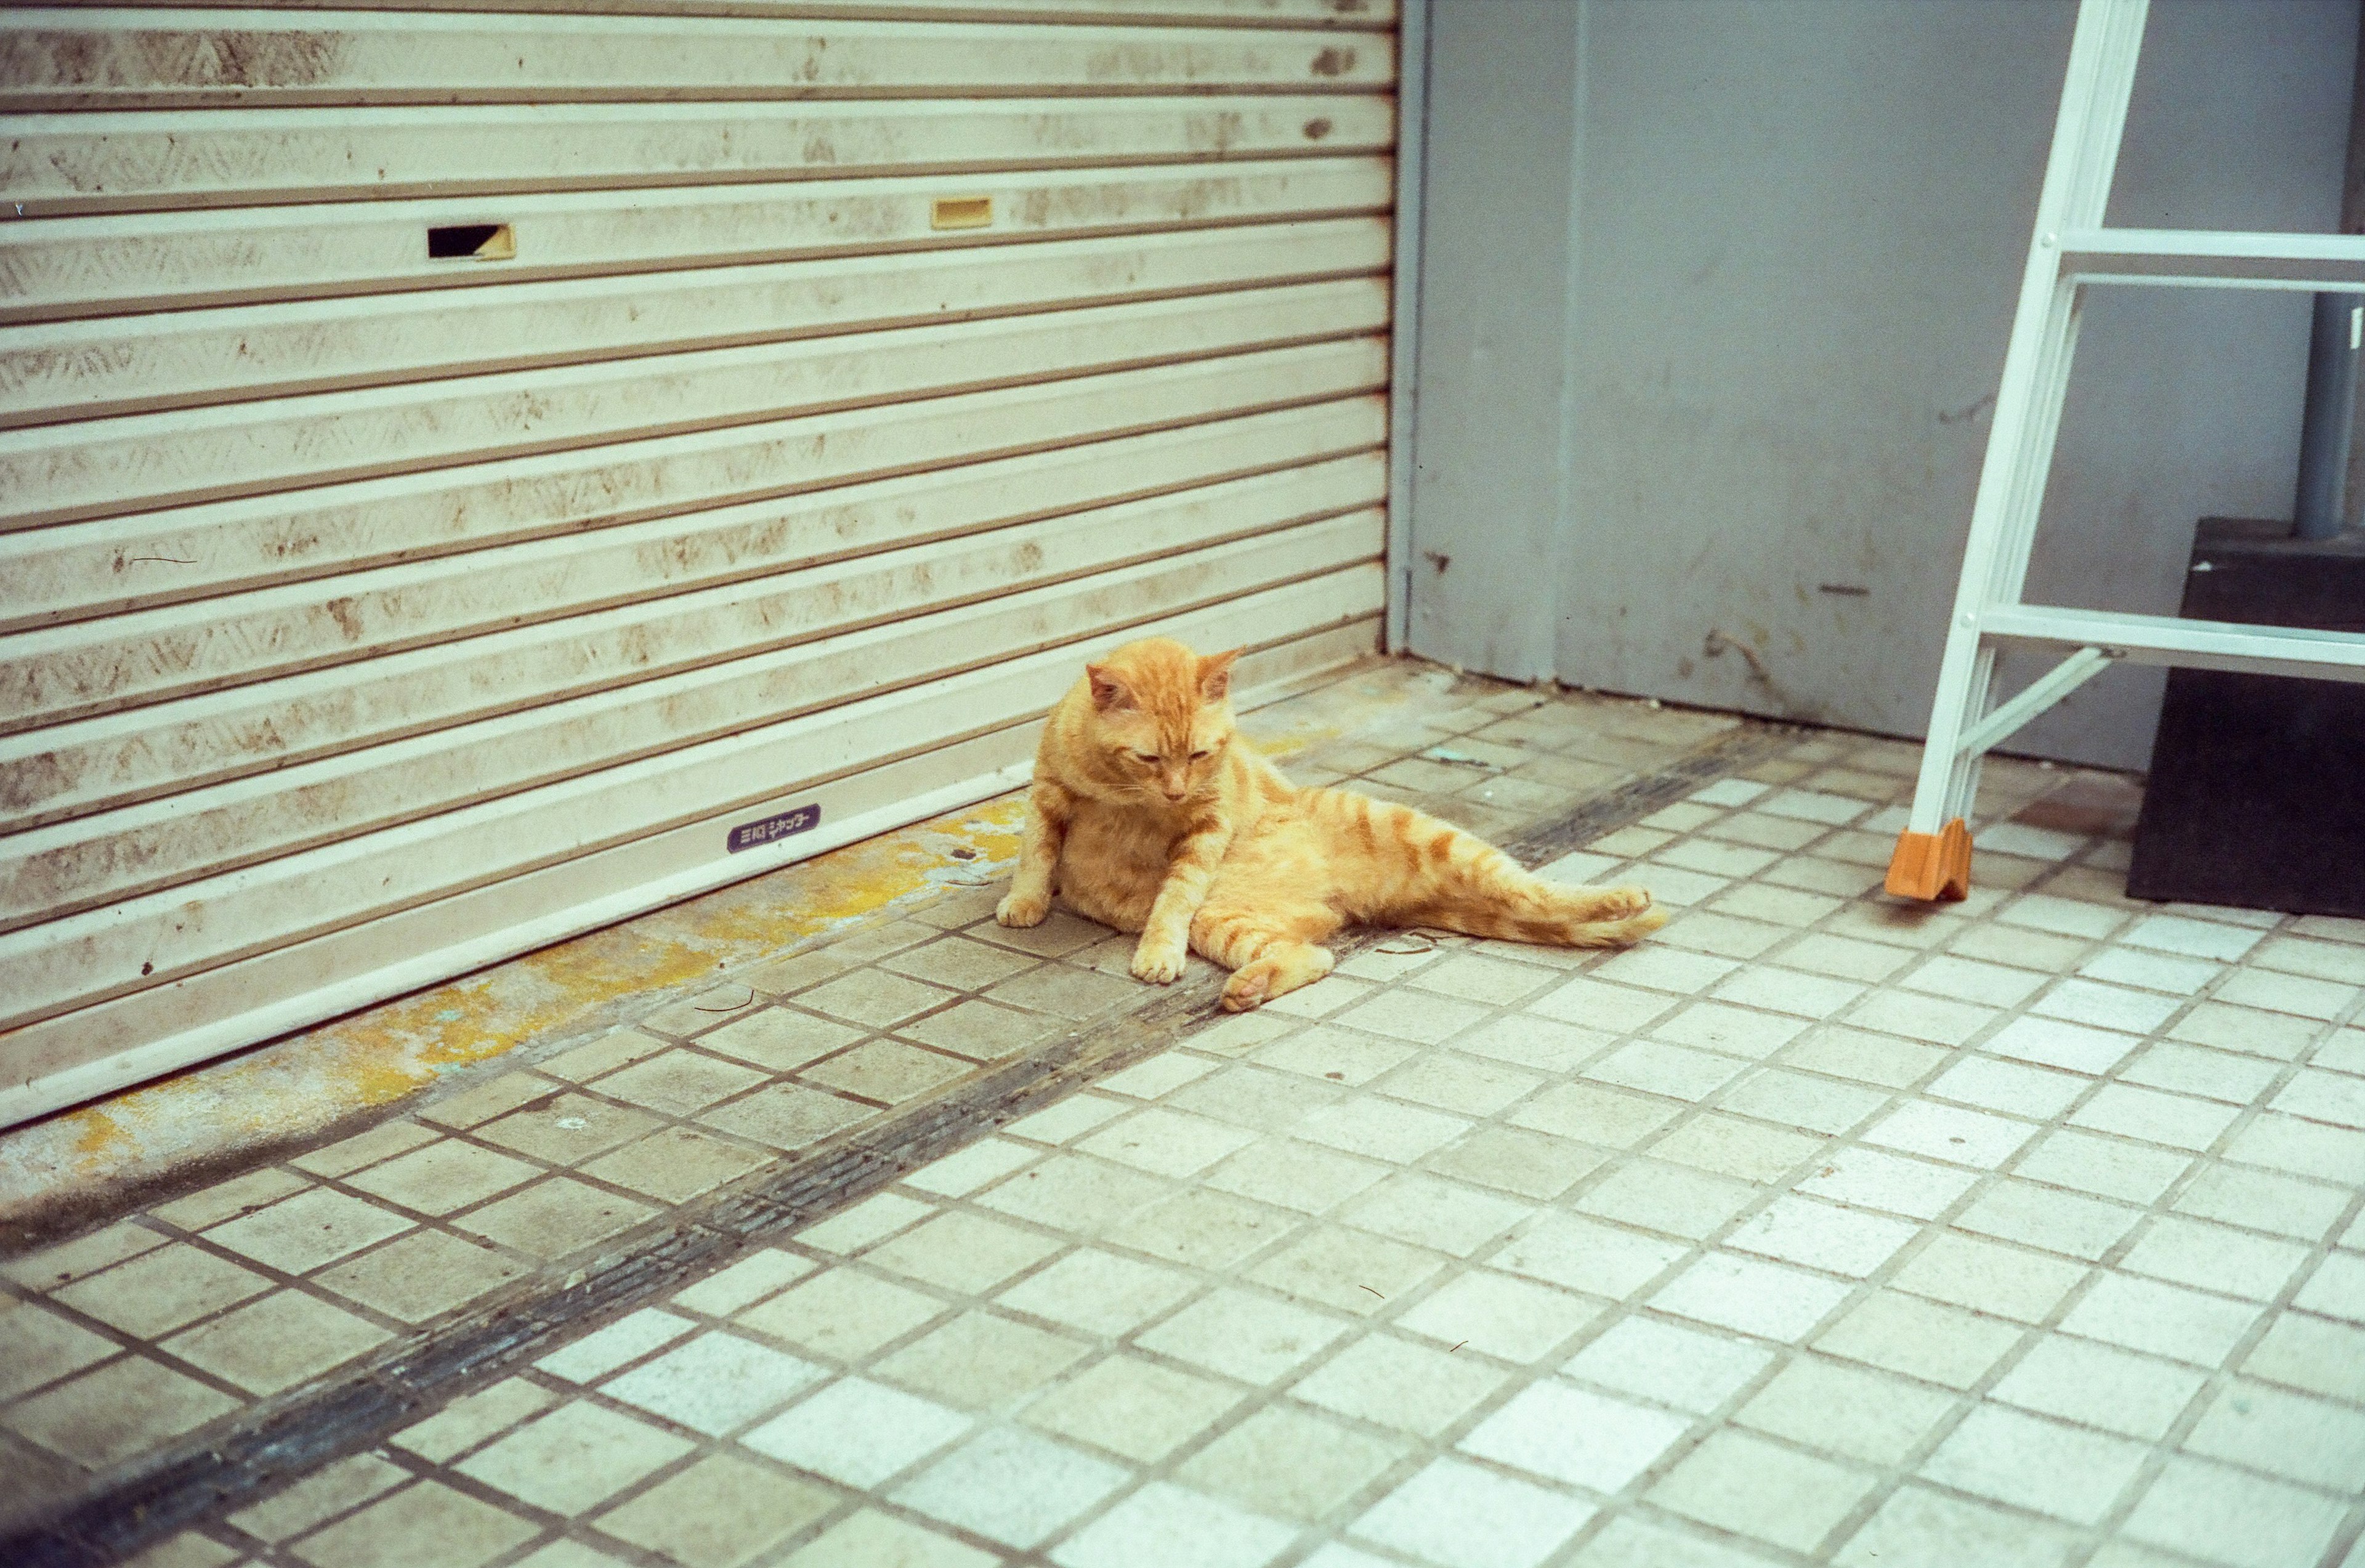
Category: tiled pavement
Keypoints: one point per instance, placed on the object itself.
(1817, 1229)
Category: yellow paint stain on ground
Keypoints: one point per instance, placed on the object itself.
(386, 1054)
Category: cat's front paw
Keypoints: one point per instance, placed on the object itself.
(1021, 909)
(1159, 960)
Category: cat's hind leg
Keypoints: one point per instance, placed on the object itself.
(1270, 949)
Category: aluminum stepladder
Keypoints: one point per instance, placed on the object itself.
(2069, 251)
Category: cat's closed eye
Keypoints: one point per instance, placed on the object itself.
(1144, 755)
(1200, 756)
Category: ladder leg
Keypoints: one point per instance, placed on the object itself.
(1933, 858)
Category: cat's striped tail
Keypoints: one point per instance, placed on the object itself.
(1427, 872)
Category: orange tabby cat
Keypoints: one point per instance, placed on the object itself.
(1149, 814)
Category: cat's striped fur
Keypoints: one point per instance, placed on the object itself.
(1149, 813)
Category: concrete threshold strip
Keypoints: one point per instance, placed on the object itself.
(280, 1441)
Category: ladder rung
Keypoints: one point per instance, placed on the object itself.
(2196, 644)
(2328, 262)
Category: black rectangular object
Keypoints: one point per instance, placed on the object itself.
(2257, 795)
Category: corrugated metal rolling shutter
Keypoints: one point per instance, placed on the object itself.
(860, 367)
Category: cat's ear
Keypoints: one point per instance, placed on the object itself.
(1108, 691)
(1215, 675)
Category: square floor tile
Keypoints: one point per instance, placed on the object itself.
(381, 1142)
(1332, 1056)
(1163, 1525)
(1866, 1058)
(1823, 1236)
(554, 1217)
(1075, 1193)
(2263, 1201)
(869, 1539)
(1733, 1146)
(2179, 1121)
(2097, 1385)
(1459, 1516)
(575, 1458)
(1450, 1081)
(628, 1338)
(714, 1383)
(1788, 990)
(1729, 1031)
(161, 1290)
(857, 1432)
(2301, 1439)
(718, 1513)
(981, 1359)
(1290, 1462)
(1381, 1129)
(1678, 1073)
(2108, 1167)
(1608, 1118)
(1799, 1100)
(1744, 1484)
(888, 1071)
(115, 1411)
(568, 1129)
(2052, 1042)
(2049, 1218)
(781, 1039)
(1427, 1212)
(1099, 1293)
(787, 1116)
(276, 1342)
(445, 1175)
(1868, 1178)
(38, 1346)
(1670, 1198)
(225, 1200)
(2013, 1088)
(964, 1252)
(2035, 1464)
(1204, 1229)
(1920, 1338)
(1586, 1255)
(679, 1082)
(1347, 1270)
(1251, 1338)
(309, 1231)
(1765, 1299)
(1845, 1410)
(471, 1419)
(422, 1275)
(323, 1494)
(982, 1031)
(1395, 1383)
(1011, 1487)
(959, 962)
(1944, 1132)
(1516, 1159)
(2166, 1320)
(2232, 1517)
(844, 1314)
(2336, 1288)
(419, 1526)
(1668, 1362)
(1917, 1525)
(675, 1165)
(2214, 1258)
(1915, 1016)
(2105, 1007)
(1291, 1174)
(1566, 1434)
(874, 998)
(1595, 1003)
(1500, 1315)
(1133, 1407)
(1989, 1276)
(1167, 1143)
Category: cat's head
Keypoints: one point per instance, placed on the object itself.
(1163, 716)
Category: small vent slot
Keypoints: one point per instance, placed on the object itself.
(961, 212)
(472, 243)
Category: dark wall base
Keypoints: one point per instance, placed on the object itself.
(2257, 796)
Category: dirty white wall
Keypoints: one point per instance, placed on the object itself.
(1715, 296)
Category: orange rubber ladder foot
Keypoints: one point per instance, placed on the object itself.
(1931, 865)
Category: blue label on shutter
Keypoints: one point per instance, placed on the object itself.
(755, 834)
